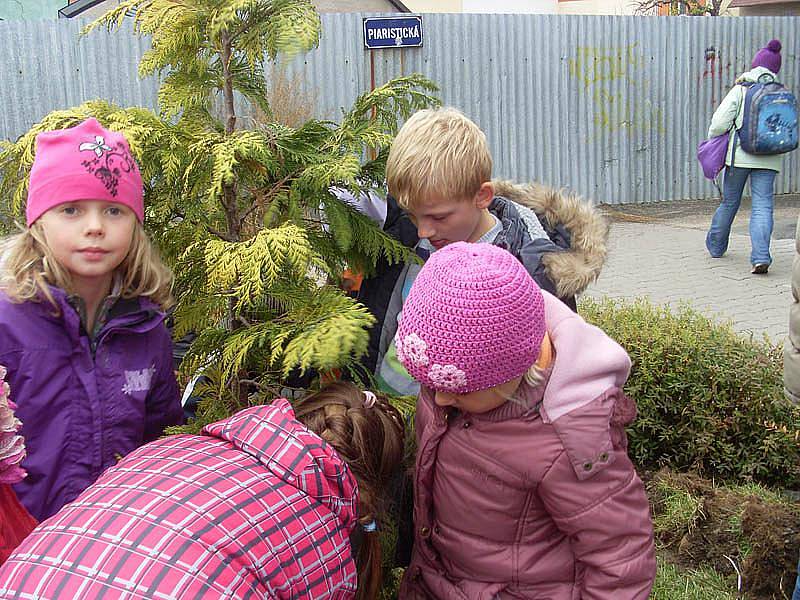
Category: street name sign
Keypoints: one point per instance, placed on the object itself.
(393, 32)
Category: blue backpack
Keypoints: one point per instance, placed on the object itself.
(769, 123)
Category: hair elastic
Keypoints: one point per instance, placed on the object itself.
(369, 399)
(370, 527)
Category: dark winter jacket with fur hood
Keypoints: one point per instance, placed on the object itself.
(560, 238)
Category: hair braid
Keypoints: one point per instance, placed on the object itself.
(371, 441)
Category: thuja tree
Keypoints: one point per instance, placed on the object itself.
(244, 214)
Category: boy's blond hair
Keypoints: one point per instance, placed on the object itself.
(28, 266)
(438, 152)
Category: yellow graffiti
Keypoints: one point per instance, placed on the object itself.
(592, 65)
(601, 71)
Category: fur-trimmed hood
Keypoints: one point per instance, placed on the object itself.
(574, 269)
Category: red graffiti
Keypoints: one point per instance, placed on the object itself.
(712, 70)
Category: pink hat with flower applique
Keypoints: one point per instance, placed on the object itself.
(85, 162)
(473, 319)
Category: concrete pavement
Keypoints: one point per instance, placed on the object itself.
(658, 251)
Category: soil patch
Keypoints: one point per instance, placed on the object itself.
(746, 533)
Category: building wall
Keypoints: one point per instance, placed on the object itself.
(596, 7)
(434, 6)
(483, 7)
(510, 6)
(564, 7)
(784, 9)
(344, 6)
(567, 7)
(13, 10)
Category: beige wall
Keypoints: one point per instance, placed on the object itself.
(596, 7)
(434, 6)
(510, 6)
(576, 7)
(771, 10)
(341, 6)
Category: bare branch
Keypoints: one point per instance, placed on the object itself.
(678, 7)
(220, 234)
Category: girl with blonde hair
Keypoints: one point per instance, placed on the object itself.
(82, 296)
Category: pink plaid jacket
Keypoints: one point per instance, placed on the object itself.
(258, 507)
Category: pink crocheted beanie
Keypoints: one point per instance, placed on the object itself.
(473, 319)
(85, 162)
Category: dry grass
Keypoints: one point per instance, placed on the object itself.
(291, 104)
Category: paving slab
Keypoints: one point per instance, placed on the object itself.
(658, 251)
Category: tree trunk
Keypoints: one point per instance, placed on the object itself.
(229, 200)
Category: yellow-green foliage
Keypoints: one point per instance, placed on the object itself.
(189, 44)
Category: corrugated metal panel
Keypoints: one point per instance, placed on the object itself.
(612, 107)
(47, 67)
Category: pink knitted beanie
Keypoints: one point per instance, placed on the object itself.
(85, 162)
(473, 319)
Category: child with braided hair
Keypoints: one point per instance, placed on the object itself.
(268, 503)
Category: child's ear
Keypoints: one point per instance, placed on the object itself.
(485, 195)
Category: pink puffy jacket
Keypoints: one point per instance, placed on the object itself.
(535, 503)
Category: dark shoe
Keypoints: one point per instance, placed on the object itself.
(760, 269)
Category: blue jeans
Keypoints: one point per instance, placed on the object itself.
(796, 595)
(761, 184)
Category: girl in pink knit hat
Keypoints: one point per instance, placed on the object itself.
(82, 295)
(523, 486)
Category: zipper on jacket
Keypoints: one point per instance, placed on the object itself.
(104, 333)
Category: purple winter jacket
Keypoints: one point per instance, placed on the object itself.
(84, 404)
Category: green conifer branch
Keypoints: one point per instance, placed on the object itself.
(242, 212)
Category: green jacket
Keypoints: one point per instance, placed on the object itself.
(730, 111)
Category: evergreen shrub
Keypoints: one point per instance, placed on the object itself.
(709, 399)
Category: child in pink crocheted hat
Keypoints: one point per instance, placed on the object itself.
(15, 522)
(523, 486)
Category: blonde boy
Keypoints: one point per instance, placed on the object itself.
(439, 172)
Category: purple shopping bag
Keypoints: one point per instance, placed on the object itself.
(711, 154)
